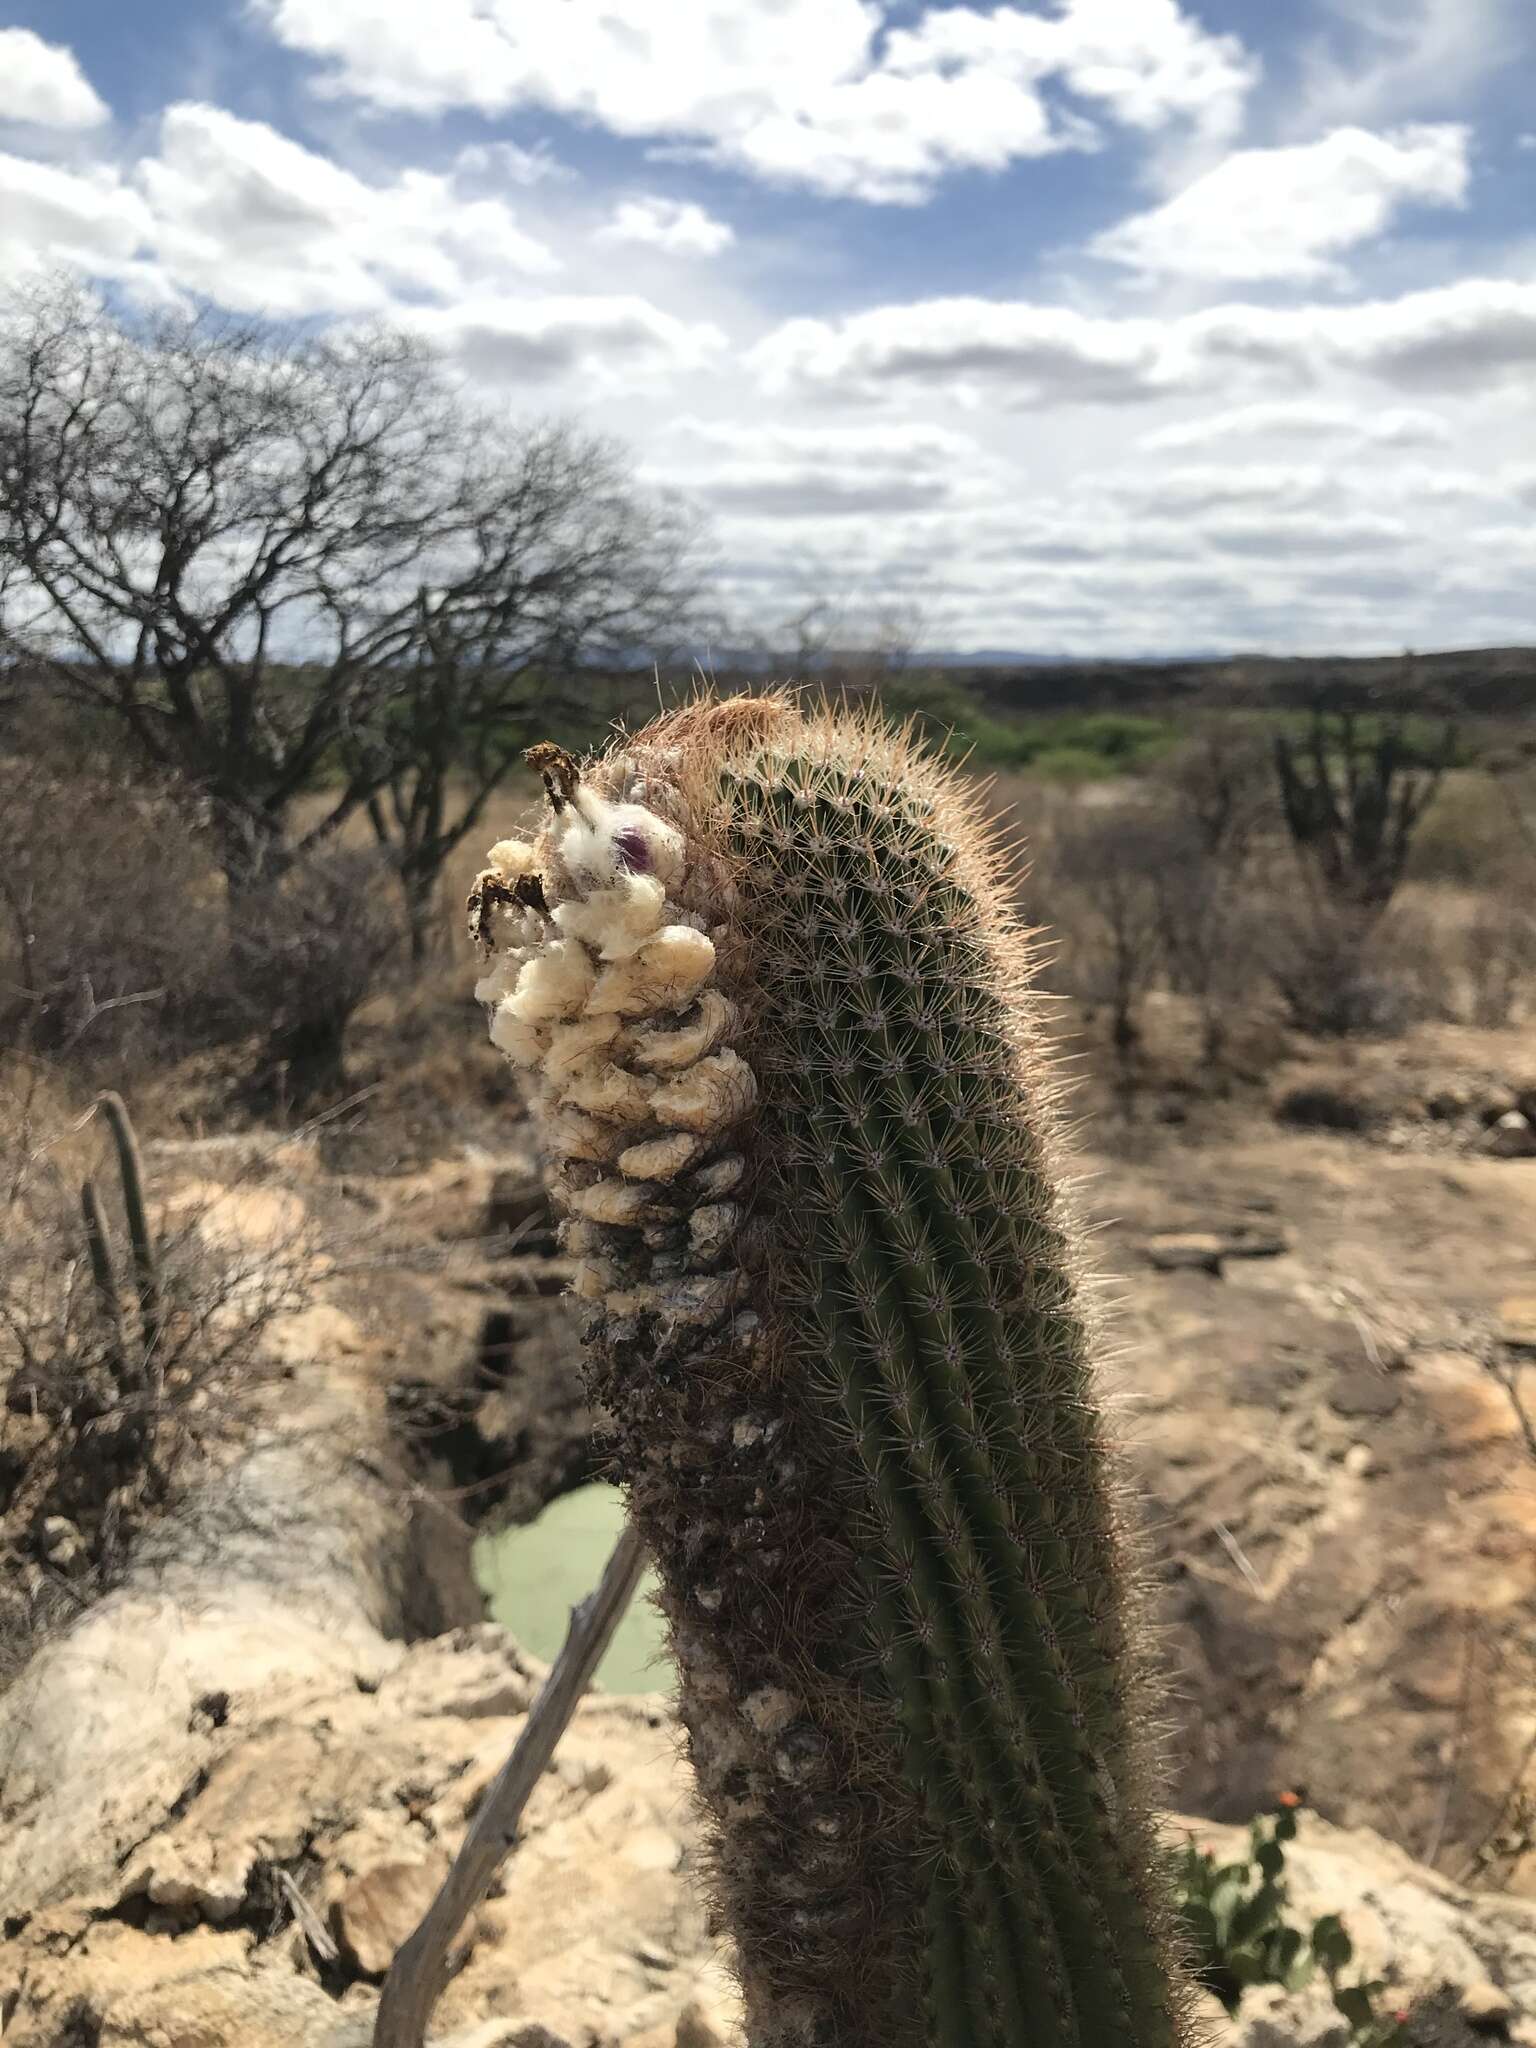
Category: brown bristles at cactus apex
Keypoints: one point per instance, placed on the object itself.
(774, 1018)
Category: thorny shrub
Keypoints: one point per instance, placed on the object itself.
(107, 1406)
(304, 954)
(106, 909)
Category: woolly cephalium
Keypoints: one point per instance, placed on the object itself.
(776, 1026)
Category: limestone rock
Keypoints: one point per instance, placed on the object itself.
(378, 1910)
(501, 2034)
(1186, 1251)
(1512, 1137)
(1515, 1328)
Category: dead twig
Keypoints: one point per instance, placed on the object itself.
(1430, 1853)
(1473, 1865)
(420, 1969)
(315, 1930)
(1239, 1557)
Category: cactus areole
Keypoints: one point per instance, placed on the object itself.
(773, 1014)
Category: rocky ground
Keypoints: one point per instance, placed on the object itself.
(264, 1910)
(1326, 1336)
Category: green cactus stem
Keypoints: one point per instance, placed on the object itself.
(141, 1240)
(98, 1246)
(775, 1021)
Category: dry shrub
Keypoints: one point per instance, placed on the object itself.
(106, 904)
(1139, 899)
(304, 954)
(120, 950)
(110, 1399)
(1476, 821)
(1497, 945)
(1090, 884)
(1346, 972)
(1221, 784)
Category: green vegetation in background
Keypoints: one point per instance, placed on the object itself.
(1235, 1919)
(1067, 746)
(1058, 746)
(532, 1577)
(1090, 746)
(1421, 738)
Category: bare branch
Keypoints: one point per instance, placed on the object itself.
(419, 1971)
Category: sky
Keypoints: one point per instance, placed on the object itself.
(1068, 327)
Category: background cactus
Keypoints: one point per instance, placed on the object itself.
(774, 1016)
(141, 1239)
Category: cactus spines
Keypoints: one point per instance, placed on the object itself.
(98, 1245)
(146, 1261)
(773, 1015)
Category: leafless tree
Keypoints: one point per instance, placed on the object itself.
(218, 539)
(567, 567)
(1105, 863)
(838, 638)
(1353, 791)
(1213, 929)
(251, 548)
(1222, 781)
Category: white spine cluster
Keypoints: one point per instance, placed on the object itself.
(600, 987)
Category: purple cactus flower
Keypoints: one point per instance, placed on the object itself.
(633, 850)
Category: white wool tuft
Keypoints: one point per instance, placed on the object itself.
(572, 1046)
(512, 858)
(521, 1042)
(612, 1092)
(554, 983)
(607, 997)
(614, 1201)
(663, 975)
(617, 920)
(661, 1158)
(658, 1051)
(500, 977)
(717, 1092)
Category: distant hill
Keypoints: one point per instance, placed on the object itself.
(1481, 681)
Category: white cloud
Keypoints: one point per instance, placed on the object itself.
(1325, 534)
(675, 226)
(1384, 60)
(918, 444)
(801, 92)
(1211, 487)
(1284, 213)
(1301, 420)
(1458, 337)
(258, 222)
(821, 490)
(1318, 471)
(1092, 571)
(1036, 353)
(233, 210)
(510, 164)
(43, 83)
(781, 471)
(53, 216)
(605, 340)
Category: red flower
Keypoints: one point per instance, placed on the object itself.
(1290, 1799)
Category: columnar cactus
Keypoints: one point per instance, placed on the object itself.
(773, 1014)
